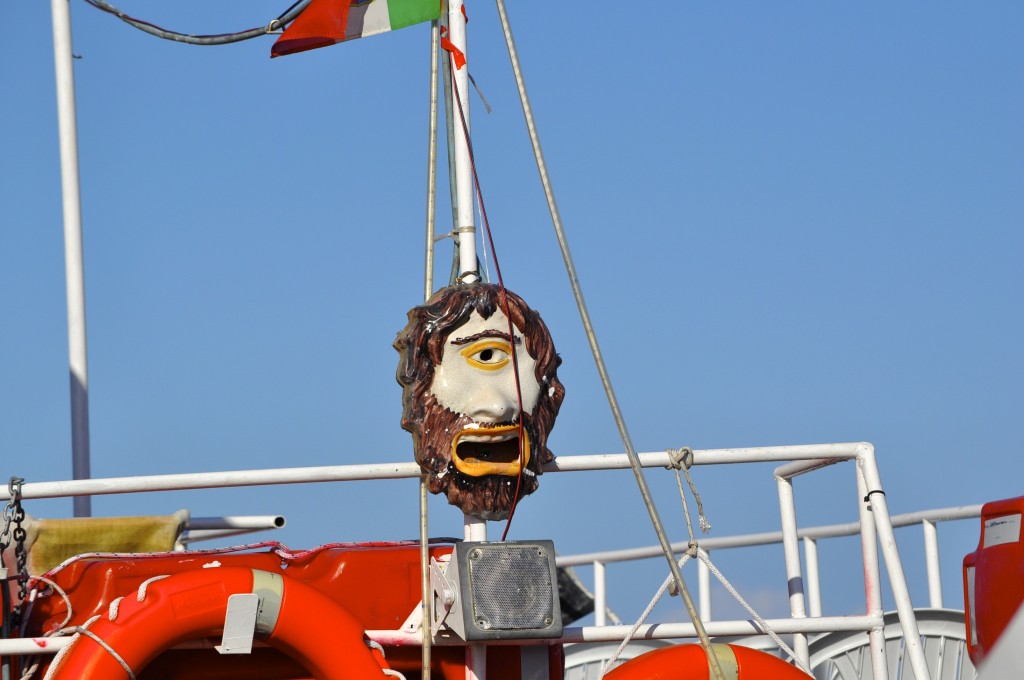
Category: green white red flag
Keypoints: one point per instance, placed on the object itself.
(327, 22)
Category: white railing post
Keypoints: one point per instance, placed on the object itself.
(794, 578)
(813, 579)
(875, 496)
(931, 560)
(872, 582)
(600, 595)
(704, 589)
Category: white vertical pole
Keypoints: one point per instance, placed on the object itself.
(704, 590)
(893, 565)
(475, 529)
(466, 228)
(813, 577)
(600, 595)
(872, 581)
(794, 578)
(931, 557)
(79, 372)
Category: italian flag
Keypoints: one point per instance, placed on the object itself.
(326, 22)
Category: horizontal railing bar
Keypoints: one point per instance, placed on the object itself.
(405, 470)
(236, 522)
(769, 538)
(666, 631)
(651, 631)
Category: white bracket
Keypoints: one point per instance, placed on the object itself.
(239, 624)
(444, 596)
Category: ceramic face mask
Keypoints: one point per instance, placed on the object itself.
(460, 398)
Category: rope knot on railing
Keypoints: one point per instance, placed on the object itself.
(682, 459)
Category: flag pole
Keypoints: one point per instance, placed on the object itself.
(73, 259)
(465, 229)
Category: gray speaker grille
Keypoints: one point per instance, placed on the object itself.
(511, 587)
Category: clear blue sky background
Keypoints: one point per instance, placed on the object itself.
(794, 223)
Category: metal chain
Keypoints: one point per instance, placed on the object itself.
(14, 515)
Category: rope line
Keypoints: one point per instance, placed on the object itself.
(78, 632)
(643, 617)
(501, 286)
(703, 556)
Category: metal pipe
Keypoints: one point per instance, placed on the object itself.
(794, 578)
(665, 631)
(649, 631)
(428, 288)
(704, 588)
(901, 594)
(252, 522)
(872, 581)
(813, 578)
(466, 227)
(428, 268)
(931, 560)
(216, 480)
(73, 259)
(600, 594)
(768, 538)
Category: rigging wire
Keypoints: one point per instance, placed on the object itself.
(627, 441)
(280, 22)
(501, 286)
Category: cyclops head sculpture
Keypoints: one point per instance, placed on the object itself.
(460, 400)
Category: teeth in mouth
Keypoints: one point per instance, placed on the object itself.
(487, 439)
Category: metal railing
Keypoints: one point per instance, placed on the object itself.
(809, 536)
(874, 526)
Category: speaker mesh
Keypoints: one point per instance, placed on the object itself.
(511, 587)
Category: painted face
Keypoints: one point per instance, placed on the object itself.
(477, 378)
(460, 401)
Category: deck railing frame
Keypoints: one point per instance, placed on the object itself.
(875, 527)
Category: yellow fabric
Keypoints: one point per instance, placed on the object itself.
(51, 541)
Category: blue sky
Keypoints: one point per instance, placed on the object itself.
(794, 223)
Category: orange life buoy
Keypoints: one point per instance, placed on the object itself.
(688, 662)
(292, 617)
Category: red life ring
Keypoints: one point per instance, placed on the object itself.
(688, 662)
(308, 626)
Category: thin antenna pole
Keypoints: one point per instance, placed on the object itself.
(634, 460)
(73, 261)
(427, 598)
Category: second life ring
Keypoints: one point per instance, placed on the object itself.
(293, 617)
(688, 662)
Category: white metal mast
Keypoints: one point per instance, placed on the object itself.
(73, 262)
(465, 229)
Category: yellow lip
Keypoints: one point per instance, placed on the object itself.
(490, 451)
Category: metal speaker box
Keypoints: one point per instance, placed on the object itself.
(495, 591)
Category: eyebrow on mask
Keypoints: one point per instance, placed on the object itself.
(487, 334)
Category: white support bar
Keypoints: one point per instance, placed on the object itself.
(931, 560)
(872, 582)
(249, 522)
(813, 578)
(770, 537)
(466, 227)
(600, 595)
(73, 259)
(704, 589)
(794, 578)
(666, 631)
(403, 470)
(887, 539)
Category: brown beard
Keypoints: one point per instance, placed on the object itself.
(489, 497)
